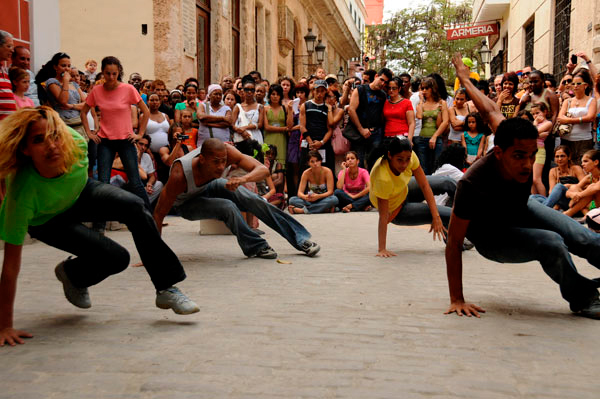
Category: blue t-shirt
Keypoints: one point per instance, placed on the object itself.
(74, 98)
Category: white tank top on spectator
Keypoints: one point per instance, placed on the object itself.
(158, 133)
(248, 118)
(221, 133)
(580, 131)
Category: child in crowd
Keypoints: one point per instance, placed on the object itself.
(586, 194)
(90, 70)
(473, 137)
(176, 148)
(543, 125)
(19, 78)
(188, 130)
(277, 176)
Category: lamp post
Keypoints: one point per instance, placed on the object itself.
(486, 56)
(320, 50)
(341, 75)
(310, 39)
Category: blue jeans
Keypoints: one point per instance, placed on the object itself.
(214, 201)
(438, 184)
(549, 237)
(128, 154)
(320, 206)
(97, 255)
(415, 212)
(557, 196)
(358, 204)
(427, 156)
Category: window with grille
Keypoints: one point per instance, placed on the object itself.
(562, 24)
(529, 30)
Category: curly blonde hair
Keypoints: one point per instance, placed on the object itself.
(13, 139)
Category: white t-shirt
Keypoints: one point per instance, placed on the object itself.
(414, 99)
(147, 164)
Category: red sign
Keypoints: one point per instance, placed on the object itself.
(466, 32)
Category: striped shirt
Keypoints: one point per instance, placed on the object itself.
(7, 99)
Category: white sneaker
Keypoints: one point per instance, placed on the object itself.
(172, 298)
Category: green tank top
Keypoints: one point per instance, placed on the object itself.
(276, 120)
(429, 125)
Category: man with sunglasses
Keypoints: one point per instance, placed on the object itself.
(365, 111)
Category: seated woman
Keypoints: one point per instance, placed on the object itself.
(353, 185)
(394, 163)
(275, 195)
(585, 195)
(319, 180)
(561, 178)
(50, 197)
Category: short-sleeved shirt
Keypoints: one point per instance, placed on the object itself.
(147, 164)
(7, 99)
(74, 98)
(508, 109)
(115, 106)
(32, 200)
(484, 196)
(388, 186)
(357, 185)
(395, 117)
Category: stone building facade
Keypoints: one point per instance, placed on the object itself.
(542, 33)
(175, 39)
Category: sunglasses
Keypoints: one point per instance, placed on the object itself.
(249, 90)
(567, 81)
(579, 83)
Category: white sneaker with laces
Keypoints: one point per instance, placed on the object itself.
(173, 298)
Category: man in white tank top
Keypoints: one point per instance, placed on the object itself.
(197, 191)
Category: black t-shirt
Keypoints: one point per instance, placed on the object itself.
(487, 199)
(165, 109)
(370, 106)
(316, 120)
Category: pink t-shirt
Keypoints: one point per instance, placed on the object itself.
(115, 108)
(357, 185)
(24, 102)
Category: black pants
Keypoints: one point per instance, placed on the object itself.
(97, 256)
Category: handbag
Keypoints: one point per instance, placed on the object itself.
(562, 129)
(351, 133)
(340, 144)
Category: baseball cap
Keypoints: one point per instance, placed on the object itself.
(320, 83)
(468, 62)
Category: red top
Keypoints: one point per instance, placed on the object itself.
(115, 105)
(395, 117)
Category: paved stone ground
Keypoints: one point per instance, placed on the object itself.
(342, 325)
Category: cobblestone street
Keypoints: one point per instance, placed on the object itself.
(343, 324)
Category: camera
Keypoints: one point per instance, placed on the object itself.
(573, 59)
(182, 137)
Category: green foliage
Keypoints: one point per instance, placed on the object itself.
(414, 39)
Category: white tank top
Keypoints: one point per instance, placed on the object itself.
(580, 131)
(158, 133)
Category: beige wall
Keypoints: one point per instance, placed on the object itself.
(95, 29)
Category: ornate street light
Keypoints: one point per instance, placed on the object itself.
(341, 75)
(485, 53)
(310, 39)
(320, 49)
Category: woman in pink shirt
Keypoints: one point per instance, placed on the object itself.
(115, 98)
(353, 185)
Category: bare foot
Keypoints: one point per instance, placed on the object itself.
(293, 210)
(347, 208)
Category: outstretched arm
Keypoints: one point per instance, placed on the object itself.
(487, 108)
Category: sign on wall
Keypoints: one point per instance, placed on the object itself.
(465, 32)
(188, 21)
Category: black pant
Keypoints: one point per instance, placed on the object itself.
(98, 256)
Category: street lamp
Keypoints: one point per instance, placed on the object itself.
(341, 75)
(486, 57)
(320, 49)
(310, 39)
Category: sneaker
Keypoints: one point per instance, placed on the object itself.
(77, 296)
(266, 253)
(467, 245)
(172, 298)
(310, 248)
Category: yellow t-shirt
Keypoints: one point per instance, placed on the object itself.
(472, 74)
(386, 185)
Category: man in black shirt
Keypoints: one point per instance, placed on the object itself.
(366, 114)
(492, 209)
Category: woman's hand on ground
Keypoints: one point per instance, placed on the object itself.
(439, 231)
(12, 337)
(384, 253)
(462, 308)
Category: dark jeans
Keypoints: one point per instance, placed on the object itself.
(358, 204)
(97, 256)
(427, 156)
(415, 212)
(128, 154)
(549, 237)
(364, 147)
